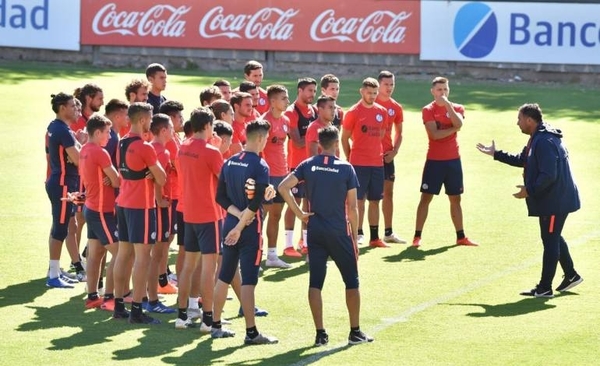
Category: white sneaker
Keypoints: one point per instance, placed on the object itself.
(395, 239)
(172, 278)
(194, 313)
(204, 328)
(360, 239)
(183, 324)
(277, 262)
(81, 276)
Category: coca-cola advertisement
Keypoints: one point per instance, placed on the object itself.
(355, 26)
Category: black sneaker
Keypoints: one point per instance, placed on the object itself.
(538, 292)
(568, 283)
(321, 339)
(121, 314)
(358, 337)
(142, 319)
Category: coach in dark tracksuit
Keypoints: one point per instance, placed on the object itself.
(550, 193)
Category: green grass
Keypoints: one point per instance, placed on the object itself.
(439, 305)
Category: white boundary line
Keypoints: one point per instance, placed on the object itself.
(404, 316)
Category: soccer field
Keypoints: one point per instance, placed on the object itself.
(436, 305)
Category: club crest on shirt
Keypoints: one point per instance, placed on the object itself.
(285, 128)
(391, 112)
(262, 101)
(379, 118)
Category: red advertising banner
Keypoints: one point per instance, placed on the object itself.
(355, 26)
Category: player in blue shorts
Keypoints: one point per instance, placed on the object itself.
(241, 189)
(330, 185)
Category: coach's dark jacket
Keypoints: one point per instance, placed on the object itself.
(550, 186)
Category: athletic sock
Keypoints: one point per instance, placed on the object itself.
(207, 318)
(304, 238)
(361, 232)
(252, 332)
(108, 297)
(388, 231)
(54, 270)
(182, 314)
(374, 229)
(272, 253)
(100, 283)
(92, 296)
(193, 303)
(78, 267)
(119, 304)
(289, 239)
(162, 280)
(216, 324)
(136, 309)
(418, 233)
(321, 331)
(355, 329)
(460, 234)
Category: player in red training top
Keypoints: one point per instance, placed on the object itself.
(330, 85)
(225, 88)
(301, 113)
(390, 149)
(253, 71)
(200, 165)
(275, 156)
(327, 111)
(242, 111)
(99, 211)
(161, 128)
(135, 91)
(209, 95)
(251, 88)
(365, 123)
(173, 109)
(139, 170)
(442, 120)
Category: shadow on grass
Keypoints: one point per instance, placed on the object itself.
(521, 307)
(412, 254)
(22, 293)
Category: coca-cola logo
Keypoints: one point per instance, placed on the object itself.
(379, 26)
(159, 20)
(266, 24)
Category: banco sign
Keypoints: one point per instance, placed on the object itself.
(510, 32)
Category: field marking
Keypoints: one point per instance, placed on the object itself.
(404, 316)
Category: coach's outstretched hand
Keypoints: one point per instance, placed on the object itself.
(489, 150)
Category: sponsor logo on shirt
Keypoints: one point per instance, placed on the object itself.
(324, 169)
(237, 163)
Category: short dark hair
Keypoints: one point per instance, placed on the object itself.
(114, 105)
(304, 82)
(327, 136)
(200, 118)
(246, 86)
(252, 65)
(153, 68)
(219, 107)
(222, 128)
(221, 82)
(59, 99)
(370, 83)
(237, 98)
(159, 121)
(134, 85)
(170, 107)
(532, 110)
(187, 129)
(323, 99)
(88, 90)
(273, 90)
(258, 127)
(439, 80)
(385, 75)
(138, 108)
(329, 79)
(96, 122)
(209, 93)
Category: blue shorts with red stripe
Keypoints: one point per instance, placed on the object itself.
(247, 252)
(163, 224)
(61, 210)
(204, 238)
(137, 225)
(101, 226)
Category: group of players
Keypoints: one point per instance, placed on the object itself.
(244, 153)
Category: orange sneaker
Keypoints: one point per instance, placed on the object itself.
(378, 244)
(169, 289)
(95, 303)
(466, 242)
(108, 305)
(302, 247)
(291, 252)
(416, 242)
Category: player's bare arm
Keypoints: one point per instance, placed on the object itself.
(158, 174)
(346, 134)
(435, 133)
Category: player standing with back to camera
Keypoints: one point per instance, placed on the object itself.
(549, 190)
